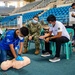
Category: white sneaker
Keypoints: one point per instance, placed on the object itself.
(56, 59)
(46, 54)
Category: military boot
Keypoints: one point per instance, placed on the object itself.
(37, 51)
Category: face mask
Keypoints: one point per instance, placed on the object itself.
(50, 25)
(20, 37)
(34, 21)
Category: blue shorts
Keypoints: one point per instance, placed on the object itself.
(5, 53)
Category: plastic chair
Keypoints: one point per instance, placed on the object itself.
(66, 47)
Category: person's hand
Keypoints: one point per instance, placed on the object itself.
(47, 39)
(41, 37)
(30, 37)
(72, 15)
(46, 34)
(19, 58)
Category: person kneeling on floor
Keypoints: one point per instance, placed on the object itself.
(10, 41)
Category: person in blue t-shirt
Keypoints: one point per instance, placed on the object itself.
(10, 42)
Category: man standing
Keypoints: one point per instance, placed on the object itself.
(72, 17)
(73, 7)
(9, 43)
(34, 32)
(60, 36)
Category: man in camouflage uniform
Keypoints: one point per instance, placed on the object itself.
(34, 32)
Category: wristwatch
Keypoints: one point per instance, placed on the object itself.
(19, 54)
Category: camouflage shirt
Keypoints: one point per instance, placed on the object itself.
(34, 29)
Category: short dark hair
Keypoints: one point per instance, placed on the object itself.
(51, 18)
(36, 16)
(24, 31)
(73, 5)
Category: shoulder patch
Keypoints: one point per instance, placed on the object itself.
(58, 28)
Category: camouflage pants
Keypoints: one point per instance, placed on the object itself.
(36, 40)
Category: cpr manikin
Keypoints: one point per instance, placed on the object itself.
(15, 64)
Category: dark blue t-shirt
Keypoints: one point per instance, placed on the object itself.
(10, 38)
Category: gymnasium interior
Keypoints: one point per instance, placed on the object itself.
(12, 10)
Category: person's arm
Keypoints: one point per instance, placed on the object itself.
(53, 37)
(50, 33)
(56, 36)
(36, 33)
(18, 58)
(13, 50)
(46, 35)
(9, 40)
(21, 47)
(59, 32)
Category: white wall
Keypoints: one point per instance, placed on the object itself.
(2, 3)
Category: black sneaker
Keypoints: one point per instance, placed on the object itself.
(55, 59)
(46, 54)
